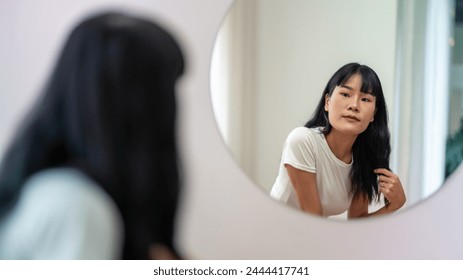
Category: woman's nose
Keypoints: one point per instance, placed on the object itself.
(353, 107)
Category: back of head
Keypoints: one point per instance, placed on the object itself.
(109, 110)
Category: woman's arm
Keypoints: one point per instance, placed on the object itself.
(359, 209)
(390, 186)
(305, 185)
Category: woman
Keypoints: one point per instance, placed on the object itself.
(340, 160)
(92, 173)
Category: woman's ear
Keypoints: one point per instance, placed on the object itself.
(327, 101)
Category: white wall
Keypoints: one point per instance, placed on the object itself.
(224, 216)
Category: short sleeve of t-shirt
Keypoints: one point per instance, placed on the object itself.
(300, 149)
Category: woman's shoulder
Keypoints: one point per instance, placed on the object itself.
(67, 181)
(305, 134)
(66, 188)
(63, 214)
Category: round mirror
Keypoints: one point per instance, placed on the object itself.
(272, 60)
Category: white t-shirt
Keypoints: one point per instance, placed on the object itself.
(62, 214)
(306, 149)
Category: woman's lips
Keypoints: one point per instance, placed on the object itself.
(352, 118)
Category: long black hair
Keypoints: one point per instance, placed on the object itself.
(372, 147)
(109, 110)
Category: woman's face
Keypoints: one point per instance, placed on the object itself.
(350, 111)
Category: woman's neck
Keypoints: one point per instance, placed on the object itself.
(341, 145)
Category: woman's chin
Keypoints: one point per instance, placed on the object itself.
(350, 129)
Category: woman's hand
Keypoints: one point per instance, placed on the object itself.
(391, 187)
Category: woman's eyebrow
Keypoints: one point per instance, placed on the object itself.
(369, 93)
(348, 87)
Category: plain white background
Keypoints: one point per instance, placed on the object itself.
(223, 215)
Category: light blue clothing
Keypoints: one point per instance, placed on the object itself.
(62, 214)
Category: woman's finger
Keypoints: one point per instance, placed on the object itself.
(382, 178)
(385, 186)
(385, 190)
(383, 171)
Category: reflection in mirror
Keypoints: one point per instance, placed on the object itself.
(272, 60)
(454, 152)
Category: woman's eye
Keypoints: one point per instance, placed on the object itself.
(366, 100)
(344, 94)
